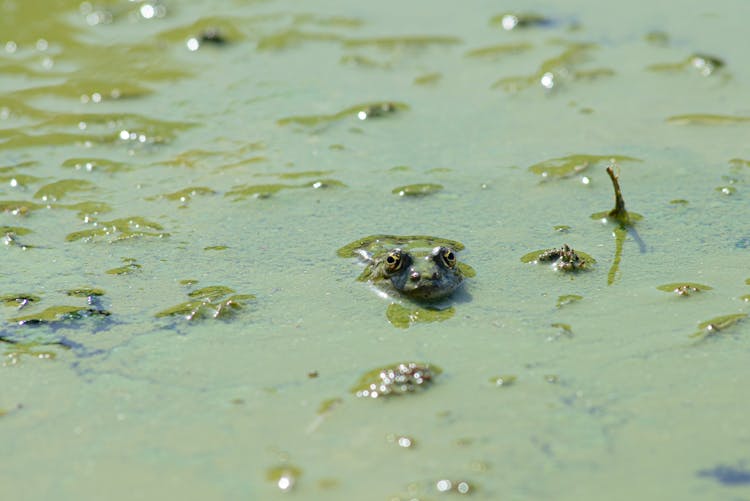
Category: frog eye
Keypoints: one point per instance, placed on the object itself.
(449, 257)
(394, 260)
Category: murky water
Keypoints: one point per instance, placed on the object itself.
(175, 180)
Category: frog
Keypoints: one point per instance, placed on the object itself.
(421, 268)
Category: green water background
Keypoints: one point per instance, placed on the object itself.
(628, 407)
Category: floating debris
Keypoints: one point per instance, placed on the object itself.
(684, 288)
(562, 259)
(397, 379)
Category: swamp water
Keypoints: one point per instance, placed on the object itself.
(175, 181)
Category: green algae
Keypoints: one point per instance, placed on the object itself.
(564, 329)
(397, 379)
(216, 302)
(553, 69)
(60, 189)
(363, 61)
(15, 230)
(19, 208)
(328, 405)
(120, 229)
(350, 112)
(216, 248)
(428, 79)
(215, 30)
(707, 119)
(289, 38)
(417, 190)
(514, 20)
(496, 51)
(571, 165)
(738, 163)
(85, 209)
(658, 38)
(404, 316)
(19, 300)
(563, 259)
(567, 299)
(245, 191)
(186, 194)
(503, 381)
(284, 476)
(19, 180)
(704, 64)
(684, 288)
(58, 314)
(13, 352)
(85, 292)
(561, 228)
(717, 325)
(376, 242)
(129, 267)
(96, 165)
(403, 42)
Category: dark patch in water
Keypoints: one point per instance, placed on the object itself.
(727, 475)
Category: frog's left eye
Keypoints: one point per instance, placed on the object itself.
(448, 256)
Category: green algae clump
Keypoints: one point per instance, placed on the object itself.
(361, 111)
(209, 302)
(707, 119)
(417, 190)
(564, 167)
(402, 378)
(57, 314)
(503, 381)
(404, 316)
(716, 325)
(567, 299)
(684, 288)
(120, 229)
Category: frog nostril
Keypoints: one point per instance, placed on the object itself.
(415, 276)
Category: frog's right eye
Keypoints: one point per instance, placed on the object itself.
(394, 260)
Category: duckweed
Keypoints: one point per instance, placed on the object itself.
(684, 288)
(564, 167)
(120, 229)
(717, 325)
(404, 316)
(417, 190)
(402, 378)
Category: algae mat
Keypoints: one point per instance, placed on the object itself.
(175, 181)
